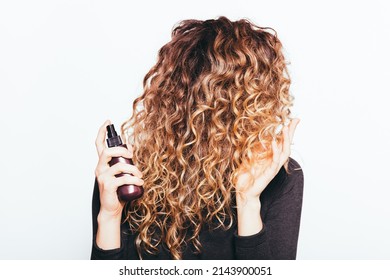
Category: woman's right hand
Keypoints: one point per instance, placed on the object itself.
(110, 205)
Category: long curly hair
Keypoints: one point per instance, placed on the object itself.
(211, 105)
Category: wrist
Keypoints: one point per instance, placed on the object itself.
(244, 200)
(108, 231)
(248, 215)
(109, 217)
(248, 206)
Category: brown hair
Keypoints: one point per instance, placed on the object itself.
(211, 106)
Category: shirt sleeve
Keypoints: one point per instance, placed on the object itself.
(279, 237)
(100, 254)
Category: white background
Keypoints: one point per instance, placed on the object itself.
(67, 66)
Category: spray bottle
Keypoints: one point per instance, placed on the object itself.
(125, 192)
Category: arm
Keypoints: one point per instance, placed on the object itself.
(278, 237)
(107, 209)
(250, 224)
(102, 228)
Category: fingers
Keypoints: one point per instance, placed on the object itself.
(128, 180)
(119, 151)
(288, 134)
(286, 144)
(112, 183)
(265, 170)
(276, 151)
(292, 126)
(107, 154)
(125, 168)
(131, 149)
(100, 144)
(107, 177)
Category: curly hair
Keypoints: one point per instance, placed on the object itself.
(211, 105)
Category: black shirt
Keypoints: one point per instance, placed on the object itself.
(281, 204)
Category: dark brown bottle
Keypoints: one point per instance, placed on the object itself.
(125, 192)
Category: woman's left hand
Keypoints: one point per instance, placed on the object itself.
(266, 169)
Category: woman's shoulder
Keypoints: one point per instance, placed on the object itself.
(286, 182)
(294, 170)
(293, 177)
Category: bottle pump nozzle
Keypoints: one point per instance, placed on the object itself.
(113, 139)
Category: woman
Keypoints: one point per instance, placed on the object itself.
(209, 150)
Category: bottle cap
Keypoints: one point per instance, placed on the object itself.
(113, 139)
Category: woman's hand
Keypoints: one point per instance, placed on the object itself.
(267, 169)
(108, 235)
(110, 205)
(248, 202)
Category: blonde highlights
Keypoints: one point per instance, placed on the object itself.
(211, 105)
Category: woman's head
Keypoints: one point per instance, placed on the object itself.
(211, 105)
